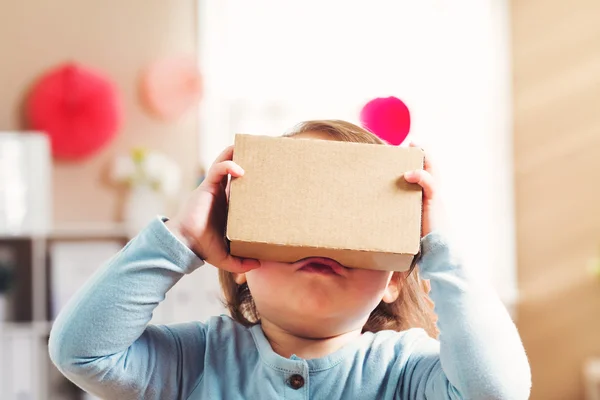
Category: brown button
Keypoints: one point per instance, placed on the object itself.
(296, 381)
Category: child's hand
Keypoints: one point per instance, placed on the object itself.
(201, 221)
(431, 206)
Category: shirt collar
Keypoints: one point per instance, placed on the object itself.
(296, 364)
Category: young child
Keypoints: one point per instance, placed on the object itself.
(306, 330)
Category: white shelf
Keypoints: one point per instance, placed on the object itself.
(33, 368)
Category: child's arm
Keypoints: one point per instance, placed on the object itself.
(480, 354)
(101, 339)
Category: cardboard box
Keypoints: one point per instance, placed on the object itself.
(304, 198)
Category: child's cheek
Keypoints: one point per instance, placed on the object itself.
(270, 271)
(370, 280)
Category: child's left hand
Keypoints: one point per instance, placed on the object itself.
(431, 207)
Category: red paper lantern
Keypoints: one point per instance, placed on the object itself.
(388, 118)
(78, 108)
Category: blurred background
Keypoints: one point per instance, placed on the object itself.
(110, 112)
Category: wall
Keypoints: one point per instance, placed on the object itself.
(556, 50)
(119, 38)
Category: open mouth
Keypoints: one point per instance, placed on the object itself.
(320, 265)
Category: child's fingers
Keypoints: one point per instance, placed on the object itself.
(427, 166)
(238, 265)
(249, 263)
(218, 171)
(225, 155)
(424, 179)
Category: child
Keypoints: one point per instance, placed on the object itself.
(306, 330)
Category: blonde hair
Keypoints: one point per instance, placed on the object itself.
(412, 309)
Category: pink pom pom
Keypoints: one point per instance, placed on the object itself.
(78, 108)
(388, 118)
(171, 87)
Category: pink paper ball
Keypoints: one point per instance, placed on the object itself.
(77, 107)
(388, 118)
(171, 87)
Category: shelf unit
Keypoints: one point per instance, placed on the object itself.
(26, 371)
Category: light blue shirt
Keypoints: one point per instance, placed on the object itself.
(103, 342)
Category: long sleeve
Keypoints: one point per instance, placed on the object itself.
(102, 341)
(479, 354)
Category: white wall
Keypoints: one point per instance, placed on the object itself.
(271, 64)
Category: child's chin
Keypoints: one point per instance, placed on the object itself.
(324, 316)
(317, 304)
(311, 328)
(315, 318)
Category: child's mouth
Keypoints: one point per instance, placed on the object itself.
(325, 266)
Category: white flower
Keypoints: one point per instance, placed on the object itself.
(162, 171)
(123, 169)
(148, 168)
(152, 164)
(170, 179)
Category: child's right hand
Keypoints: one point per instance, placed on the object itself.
(200, 223)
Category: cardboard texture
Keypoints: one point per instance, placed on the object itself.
(304, 198)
